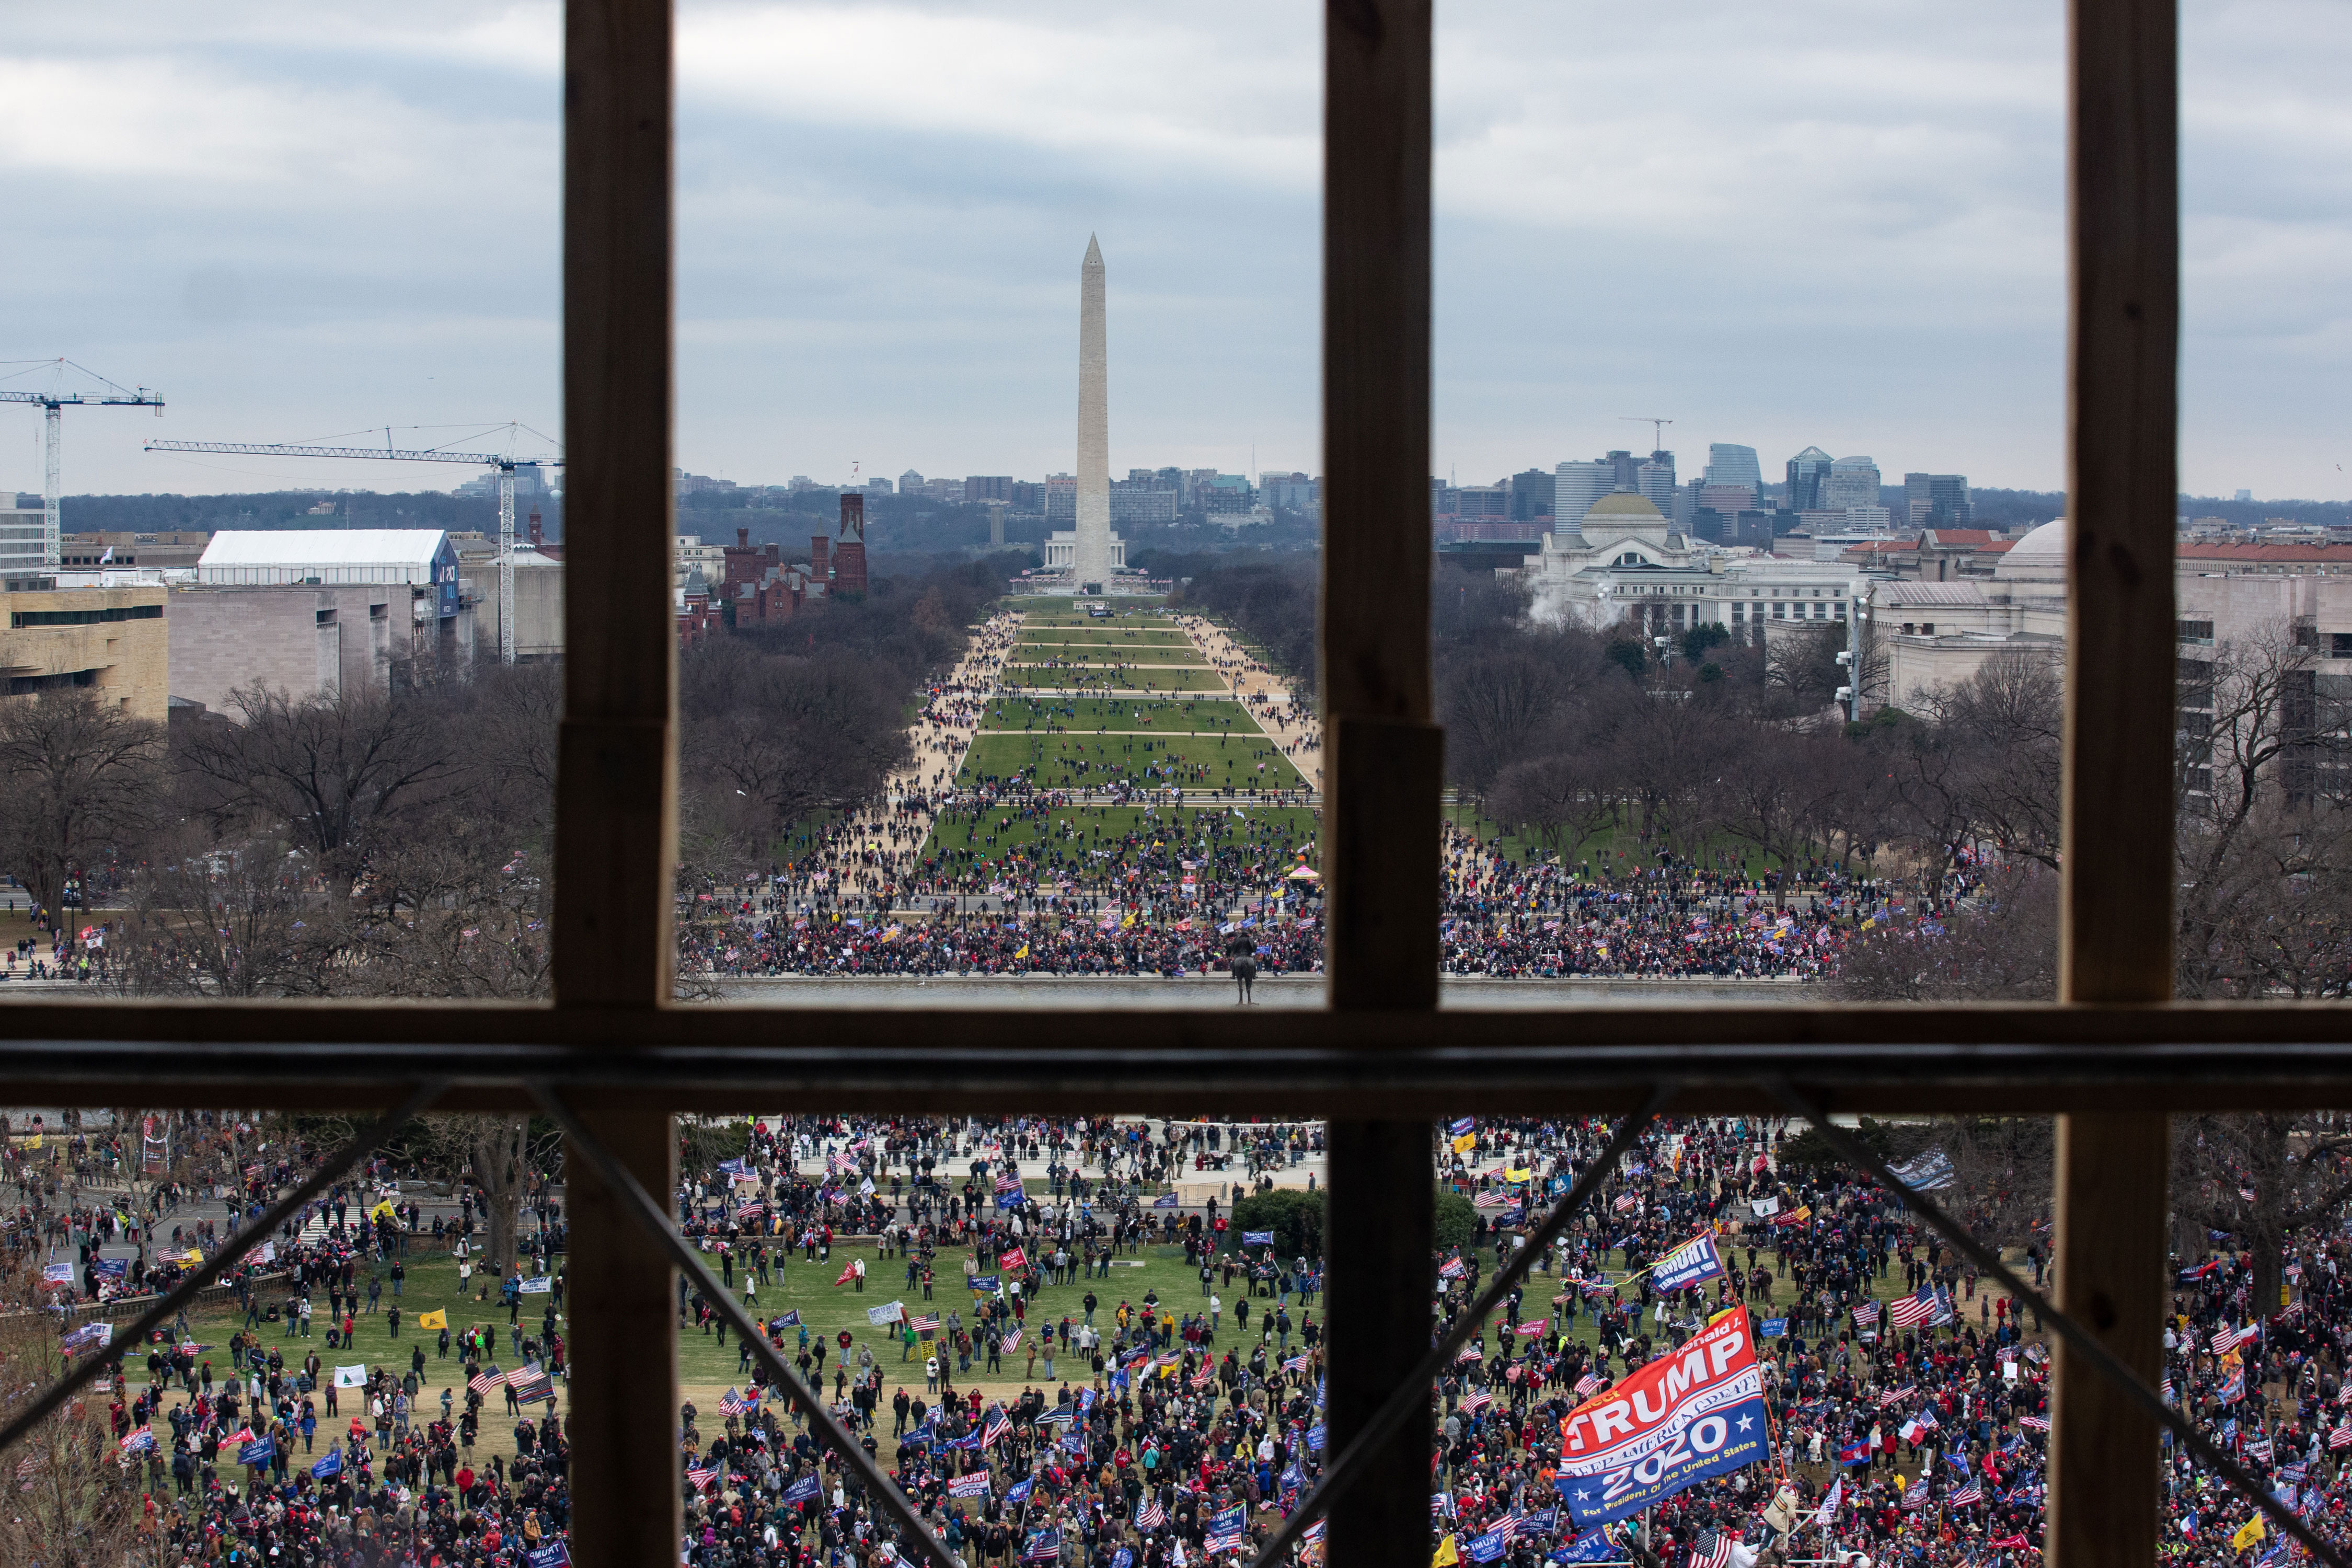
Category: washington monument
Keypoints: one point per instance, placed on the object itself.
(1090, 562)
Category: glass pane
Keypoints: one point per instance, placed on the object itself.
(2264, 669)
(264, 735)
(1757, 699)
(1013, 675)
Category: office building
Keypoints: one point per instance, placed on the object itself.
(1576, 485)
(1851, 482)
(1809, 474)
(110, 637)
(1730, 465)
(1937, 501)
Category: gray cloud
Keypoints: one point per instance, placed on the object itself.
(1838, 224)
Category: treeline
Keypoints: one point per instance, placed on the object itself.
(398, 843)
(291, 509)
(1269, 598)
(781, 724)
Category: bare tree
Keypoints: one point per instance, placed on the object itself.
(2002, 946)
(78, 783)
(334, 769)
(1780, 792)
(2263, 1179)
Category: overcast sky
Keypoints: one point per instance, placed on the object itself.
(1813, 223)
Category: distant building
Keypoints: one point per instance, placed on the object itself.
(1730, 465)
(24, 536)
(305, 611)
(111, 639)
(1576, 485)
(1141, 501)
(1532, 493)
(910, 483)
(1851, 482)
(1937, 501)
(539, 596)
(980, 489)
(1809, 474)
(164, 552)
(1290, 491)
(1624, 565)
(1062, 499)
(1656, 481)
(688, 553)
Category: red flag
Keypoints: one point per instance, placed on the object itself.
(848, 1272)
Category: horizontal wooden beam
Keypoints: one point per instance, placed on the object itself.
(2043, 1059)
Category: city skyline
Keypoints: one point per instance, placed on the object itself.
(297, 231)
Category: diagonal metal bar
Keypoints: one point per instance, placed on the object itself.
(2081, 1340)
(235, 1247)
(655, 1218)
(1350, 1467)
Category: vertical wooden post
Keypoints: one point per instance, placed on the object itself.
(2115, 897)
(615, 831)
(1385, 770)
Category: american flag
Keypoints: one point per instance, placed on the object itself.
(2230, 1339)
(1910, 1311)
(489, 1378)
(1295, 1363)
(2341, 1438)
(1589, 1384)
(1201, 1378)
(1865, 1316)
(1968, 1494)
(1474, 1403)
(1709, 1549)
(1225, 1530)
(733, 1404)
(701, 1476)
(1149, 1515)
(1896, 1395)
(2034, 1422)
(1013, 1341)
(927, 1324)
(996, 1428)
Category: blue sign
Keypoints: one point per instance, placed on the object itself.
(1693, 1263)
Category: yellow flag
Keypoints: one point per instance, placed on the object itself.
(1024, 953)
(439, 1320)
(1467, 1142)
(1522, 1175)
(2248, 1533)
(1445, 1554)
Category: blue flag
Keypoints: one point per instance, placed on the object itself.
(985, 1283)
(1019, 1490)
(1773, 1329)
(1694, 1262)
(554, 1555)
(1593, 1547)
(1257, 1238)
(258, 1452)
(330, 1464)
(1486, 1548)
(808, 1489)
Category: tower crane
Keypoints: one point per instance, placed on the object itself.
(53, 401)
(1658, 432)
(506, 467)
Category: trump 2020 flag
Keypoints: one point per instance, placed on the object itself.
(1694, 1262)
(1257, 1238)
(328, 1466)
(552, 1555)
(808, 1489)
(258, 1452)
(1672, 1424)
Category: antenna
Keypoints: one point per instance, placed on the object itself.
(1658, 434)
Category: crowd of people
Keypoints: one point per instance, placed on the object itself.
(1908, 1397)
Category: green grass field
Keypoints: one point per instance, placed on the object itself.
(1097, 678)
(1620, 844)
(1279, 827)
(1096, 761)
(1149, 636)
(1101, 655)
(1086, 714)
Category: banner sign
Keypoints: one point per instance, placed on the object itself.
(1694, 1262)
(1673, 1423)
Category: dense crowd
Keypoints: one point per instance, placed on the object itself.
(1907, 1399)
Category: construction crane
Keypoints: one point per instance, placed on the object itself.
(506, 467)
(51, 401)
(1657, 434)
